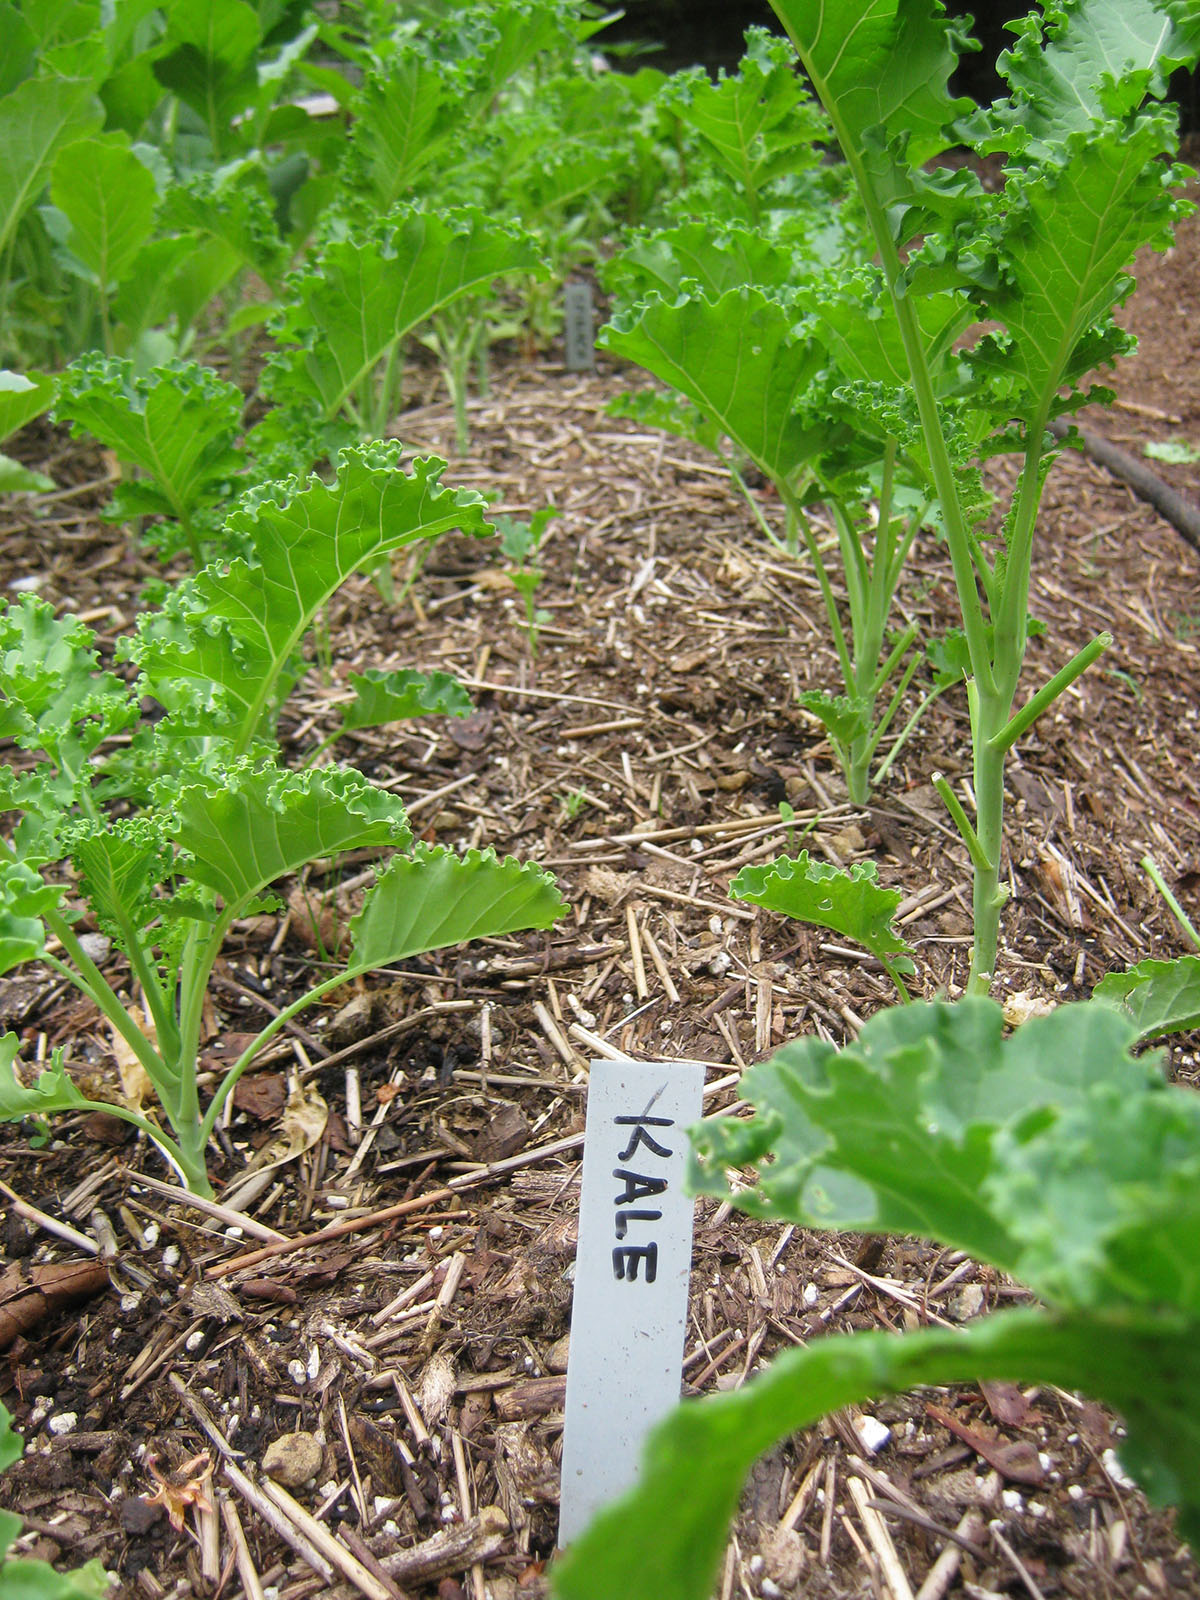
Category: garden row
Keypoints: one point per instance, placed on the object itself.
(216, 180)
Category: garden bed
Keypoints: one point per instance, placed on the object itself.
(642, 756)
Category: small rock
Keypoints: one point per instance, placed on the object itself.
(294, 1459)
(139, 1515)
(64, 1422)
(556, 1356)
(966, 1302)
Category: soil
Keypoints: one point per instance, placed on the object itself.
(642, 755)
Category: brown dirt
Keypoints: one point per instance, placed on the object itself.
(642, 755)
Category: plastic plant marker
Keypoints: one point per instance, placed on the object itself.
(579, 327)
(631, 1277)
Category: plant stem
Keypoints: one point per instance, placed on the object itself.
(1150, 867)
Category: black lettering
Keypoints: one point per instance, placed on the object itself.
(624, 1218)
(628, 1256)
(637, 1187)
(640, 1136)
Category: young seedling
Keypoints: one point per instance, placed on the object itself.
(1042, 262)
(852, 903)
(170, 838)
(521, 544)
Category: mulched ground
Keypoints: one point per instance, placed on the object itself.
(642, 754)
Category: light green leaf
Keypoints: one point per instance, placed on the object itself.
(843, 718)
(109, 198)
(361, 298)
(1178, 452)
(12, 1446)
(737, 359)
(881, 67)
(260, 821)
(1084, 61)
(23, 396)
(16, 479)
(1159, 996)
(383, 697)
(433, 898)
(36, 120)
(761, 123)
(224, 656)
(178, 424)
(53, 1089)
(851, 903)
(24, 900)
(1071, 227)
(663, 1540)
(716, 257)
(209, 64)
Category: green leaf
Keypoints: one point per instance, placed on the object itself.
(12, 1447)
(1159, 996)
(663, 1540)
(1081, 62)
(1178, 452)
(53, 697)
(1070, 228)
(23, 396)
(383, 697)
(120, 861)
(881, 67)
(178, 424)
(36, 120)
(843, 718)
(234, 205)
(432, 898)
(53, 1089)
(210, 62)
(16, 479)
(360, 299)
(761, 123)
(851, 903)
(24, 900)
(738, 359)
(224, 654)
(109, 198)
(259, 821)
(716, 257)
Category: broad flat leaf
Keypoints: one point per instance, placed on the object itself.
(360, 299)
(1160, 996)
(210, 61)
(738, 360)
(852, 903)
(663, 1540)
(178, 424)
(23, 396)
(36, 120)
(109, 198)
(230, 638)
(52, 1090)
(383, 697)
(260, 821)
(433, 898)
(880, 67)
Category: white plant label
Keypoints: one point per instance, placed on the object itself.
(631, 1277)
(579, 327)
